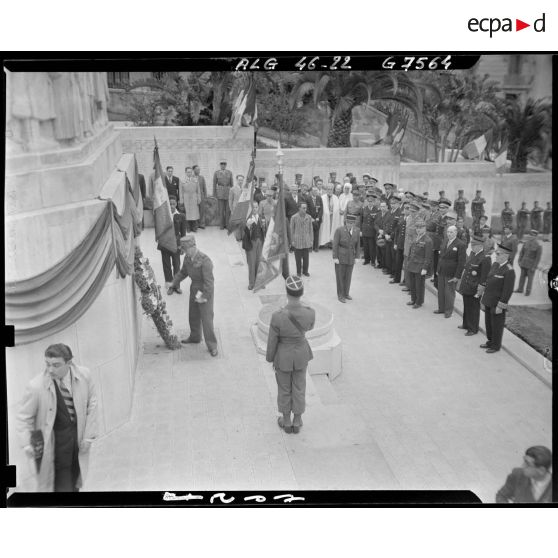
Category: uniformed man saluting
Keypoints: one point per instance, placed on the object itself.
(499, 288)
(289, 351)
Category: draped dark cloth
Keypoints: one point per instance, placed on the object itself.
(53, 300)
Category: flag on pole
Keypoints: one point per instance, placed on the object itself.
(275, 246)
(475, 148)
(243, 207)
(245, 110)
(502, 157)
(164, 226)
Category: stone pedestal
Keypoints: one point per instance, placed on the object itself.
(323, 339)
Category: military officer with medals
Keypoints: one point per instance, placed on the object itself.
(472, 285)
(419, 263)
(222, 183)
(494, 302)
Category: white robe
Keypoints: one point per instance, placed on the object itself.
(327, 229)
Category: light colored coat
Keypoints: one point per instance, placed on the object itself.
(38, 412)
(327, 230)
(190, 196)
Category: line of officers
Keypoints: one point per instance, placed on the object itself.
(409, 238)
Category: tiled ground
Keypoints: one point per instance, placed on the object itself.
(418, 405)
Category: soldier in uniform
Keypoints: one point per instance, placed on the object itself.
(382, 220)
(507, 215)
(199, 268)
(399, 244)
(390, 231)
(419, 262)
(536, 217)
(410, 236)
(368, 231)
(333, 179)
(252, 242)
(462, 232)
(494, 302)
(289, 351)
(302, 188)
(547, 222)
(222, 183)
(477, 207)
(316, 211)
(439, 226)
(346, 247)
(529, 259)
(442, 195)
(472, 285)
(510, 240)
(459, 205)
(522, 221)
(354, 207)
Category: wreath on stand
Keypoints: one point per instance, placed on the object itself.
(152, 301)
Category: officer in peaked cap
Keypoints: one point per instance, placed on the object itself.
(290, 352)
(499, 288)
(472, 285)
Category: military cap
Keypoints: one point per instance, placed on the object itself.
(476, 239)
(222, 162)
(396, 197)
(425, 194)
(298, 175)
(333, 173)
(278, 175)
(261, 179)
(444, 202)
(459, 191)
(420, 198)
(451, 215)
(378, 190)
(420, 223)
(426, 205)
(349, 174)
(294, 285)
(274, 188)
(351, 217)
(433, 204)
(442, 192)
(414, 206)
(188, 240)
(410, 194)
(389, 184)
(479, 191)
(534, 232)
(370, 191)
(366, 175)
(506, 202)
(375, 180)
(504, 248)
(316, 178)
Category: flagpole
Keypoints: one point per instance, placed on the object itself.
(285, 262)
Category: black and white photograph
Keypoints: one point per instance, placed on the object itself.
(273, 277)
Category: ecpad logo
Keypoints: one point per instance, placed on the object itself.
(494, 24)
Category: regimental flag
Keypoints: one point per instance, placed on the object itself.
(245, 110)
(502, 157)
(475, 148)
(164, 226)
(243, 207)
(275, 246)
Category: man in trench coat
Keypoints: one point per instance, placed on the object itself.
(60, 408)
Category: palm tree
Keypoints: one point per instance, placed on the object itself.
(342, 91)
(528, 130)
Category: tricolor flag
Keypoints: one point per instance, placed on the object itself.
(502, 157)
(164, 226)
(245, 110)
(243, 207)
(475, 148)
(275, 246)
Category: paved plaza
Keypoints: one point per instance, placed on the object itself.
(417, 406)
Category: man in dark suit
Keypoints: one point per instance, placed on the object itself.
(494, 302)
(399, 244)
(382, 219)
(472, 285)
(368, 230)
(172, 183)
(419, 262)
(346, 247)
(390, 231)
(531, 483)
(438, 225)
(199, 268)
(450, 268)
(316, 211)
(289, 351)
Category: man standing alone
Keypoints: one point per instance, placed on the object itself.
(529, 259)
(289, 351)
(222, 183)
(302, 237)
(346, 246)
(203, 194)
(59, 408)
(419, 262)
